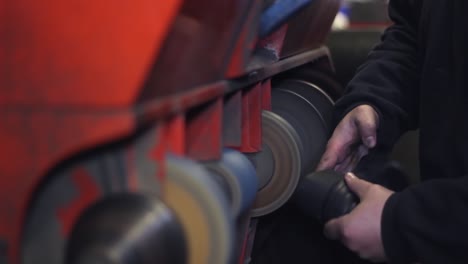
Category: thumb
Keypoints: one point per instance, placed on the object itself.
(357, 186)
(334, 228)
(366, 122)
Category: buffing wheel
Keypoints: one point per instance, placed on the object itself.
(203, 210)
(71, 191)
(60, 200)
(309, 111)
(238, 177)
(127, 229)
(278, 165)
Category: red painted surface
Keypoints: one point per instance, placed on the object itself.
(251, 119)
(275, 41)
(198, 47)
(164, 106)
(310, 27)
(232, 120)
(159, 151)
(87, 193)
(175, 138)
(79, 52)
(204, 131)
(266, 95)
(132, 177)
(35, 141)
(158, 155)
(71, 72)
(245, 42)
(81, 73)
(170, 138)
(239, 58)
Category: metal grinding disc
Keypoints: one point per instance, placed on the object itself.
(308, 109)
(127, 228)
(203, 211)
(278, 165)
(314, 94)
(238, 175)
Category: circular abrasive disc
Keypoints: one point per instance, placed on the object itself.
(308, 109)
(238, 175)
(203, 210)
(127, 228)
(283, 142)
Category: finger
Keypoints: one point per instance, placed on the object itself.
(366, 122)
(333, 229)
(338, 147)
(358, 186)
(352, 160)
(330, 157)
(347, 134)
(362, 151)
(359, 154)
(327, 162)
(344, 166)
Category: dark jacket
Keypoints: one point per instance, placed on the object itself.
(417, 77)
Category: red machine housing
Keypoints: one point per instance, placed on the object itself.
(81, 75)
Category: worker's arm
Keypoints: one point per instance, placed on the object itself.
(428, 223)
(389, 79)
(386, 89)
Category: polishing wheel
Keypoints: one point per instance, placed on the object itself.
(294, 136)
(127, 229)
(278, 165)
(202, 209)
(68, 224)
(236, 174)
(309, 111)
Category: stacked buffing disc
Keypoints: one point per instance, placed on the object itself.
(188, 222)
(309, 111)
(203, 210)
(127, 229)
(236, 174)
(278, 165)
(294, 135)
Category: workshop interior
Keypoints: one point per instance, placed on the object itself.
(179, 131)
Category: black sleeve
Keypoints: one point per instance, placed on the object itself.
(389, 79)
(428, 223)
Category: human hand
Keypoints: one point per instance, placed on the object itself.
(360, 230)
(351, 140)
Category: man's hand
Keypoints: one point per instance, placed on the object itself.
(351, 140)
(360, 229)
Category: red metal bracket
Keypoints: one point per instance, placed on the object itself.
(204, 130)
(266, 95)
(87, 192)
(170, 138)
(245, 43)
(232, 120)
(252, 119)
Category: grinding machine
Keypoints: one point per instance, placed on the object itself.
(157, 131)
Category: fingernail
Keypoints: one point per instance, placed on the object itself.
(370, 141)
(349, 176)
